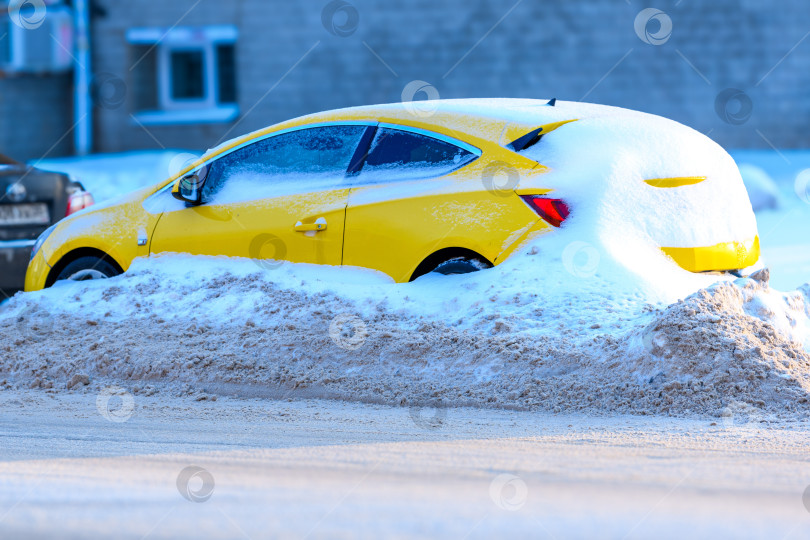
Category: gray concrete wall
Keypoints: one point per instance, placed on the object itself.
(35, 116)
(573, 50)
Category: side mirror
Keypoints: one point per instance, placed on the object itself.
(189, 189)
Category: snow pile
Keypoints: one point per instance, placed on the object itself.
(599, 165)
(227, 327)
(784, 231)
(762, 190)
(730, 344)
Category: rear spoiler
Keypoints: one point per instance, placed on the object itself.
(531, 138)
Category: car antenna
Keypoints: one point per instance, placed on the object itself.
(552, 102)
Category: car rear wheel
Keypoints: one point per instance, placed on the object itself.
(460, 265)
(87, 268)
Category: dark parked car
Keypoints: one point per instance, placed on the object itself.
(31, 200)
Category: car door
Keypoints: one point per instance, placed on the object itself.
(279, 198)
(407, 200)
(419, 192)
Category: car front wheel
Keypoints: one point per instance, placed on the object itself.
(87, 268)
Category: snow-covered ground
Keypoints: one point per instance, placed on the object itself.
(178, 468)
(784, 231)
(110, 390)
(109, 175)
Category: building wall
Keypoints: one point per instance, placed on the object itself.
(290, 64)
(35, 116)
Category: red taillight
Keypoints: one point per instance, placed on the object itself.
(78, 201)
(554, 211)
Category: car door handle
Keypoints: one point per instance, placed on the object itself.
(319, 225)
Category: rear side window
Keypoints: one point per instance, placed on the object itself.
(396, 154)
(297, 161)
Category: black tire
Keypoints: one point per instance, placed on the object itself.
(460, 265)
(86, 268)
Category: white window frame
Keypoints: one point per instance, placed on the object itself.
(181, 38)
(56, 30)
(165, 79)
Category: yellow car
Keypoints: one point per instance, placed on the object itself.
(400, 188)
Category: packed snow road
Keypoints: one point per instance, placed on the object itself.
(82, 465)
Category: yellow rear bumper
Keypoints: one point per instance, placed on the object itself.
(719, 257)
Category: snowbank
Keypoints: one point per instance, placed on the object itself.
(214, 326)
(784, 231)
(107, 176)
(762, 190)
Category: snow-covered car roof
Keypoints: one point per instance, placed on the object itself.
(482, 118)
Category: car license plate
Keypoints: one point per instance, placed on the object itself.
(24, 214)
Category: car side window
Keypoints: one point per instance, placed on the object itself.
(396, 154)
(300, 161)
